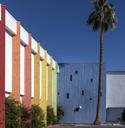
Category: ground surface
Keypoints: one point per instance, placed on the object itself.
(87, 126)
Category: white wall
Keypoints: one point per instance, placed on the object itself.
(53, 64)
(24, 36)
(57, 68)
(7, 95)
(115, 90)
(11, 24)
(34, 45)
(22, 69)
(32, 72)
(48, 59)
(8, 63)
(42, 53)
(40, 79)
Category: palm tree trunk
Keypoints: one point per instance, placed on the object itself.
(97, 120)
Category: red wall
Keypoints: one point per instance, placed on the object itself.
(2, 68)
(26, 100)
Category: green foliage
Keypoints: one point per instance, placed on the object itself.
(51, 117)
(103, 15)
(18, 116)
(26, 117)
(37, 117)
(123, 115)
(13, 113)
(60, 113)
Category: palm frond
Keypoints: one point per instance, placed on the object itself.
(106, 27)
(104, 12)
(91, 18)
(96, 25)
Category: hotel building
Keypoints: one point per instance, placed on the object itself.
(28, 73)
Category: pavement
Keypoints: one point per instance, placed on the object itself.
(88, 126)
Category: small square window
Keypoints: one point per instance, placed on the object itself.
(82, 92)
(76, 72)
(58, 93)
(91, 80)
(70, 77)
(90, 98)
(67, 95)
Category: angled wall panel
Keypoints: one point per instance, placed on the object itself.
(53, 64)
(32, 72)
(24, 36)
(43, 102)
(54, 90)
(22, 68)
(34, 45)
(50, 85)
(8, 63)
(48, 59)
(42, 53)
(0, 12)
(26, 99)
(47, 82)
(40, 79)
(11, 23)
(16, 65)
(2, 67)
(27, 79)
(36, 99)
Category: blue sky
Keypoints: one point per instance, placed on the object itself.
(60, 26)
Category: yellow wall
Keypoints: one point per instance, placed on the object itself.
(54, 90)
(36, 99)
(49, 102)
(43, 102)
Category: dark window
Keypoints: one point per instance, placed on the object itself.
(76, 72)
(67, 95)
(83, 92)
(90, 98)
(70, 77)
(91, 80)
(58, 93)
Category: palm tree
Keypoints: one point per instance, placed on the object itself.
(104, 18)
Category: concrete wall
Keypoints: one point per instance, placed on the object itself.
(115, 101)
(73, 79)
(115, 86)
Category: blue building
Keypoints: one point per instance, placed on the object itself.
(78, 86)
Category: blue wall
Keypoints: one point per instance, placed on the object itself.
(84, 77)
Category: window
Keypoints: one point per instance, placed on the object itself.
(76, 72)
(67, 95)
(58, 93)
(91, 80)
(83, 92)
(70, 77)
(90, 98)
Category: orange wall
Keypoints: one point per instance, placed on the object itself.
(16, 64)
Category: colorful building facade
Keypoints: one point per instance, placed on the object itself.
(27, 72)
